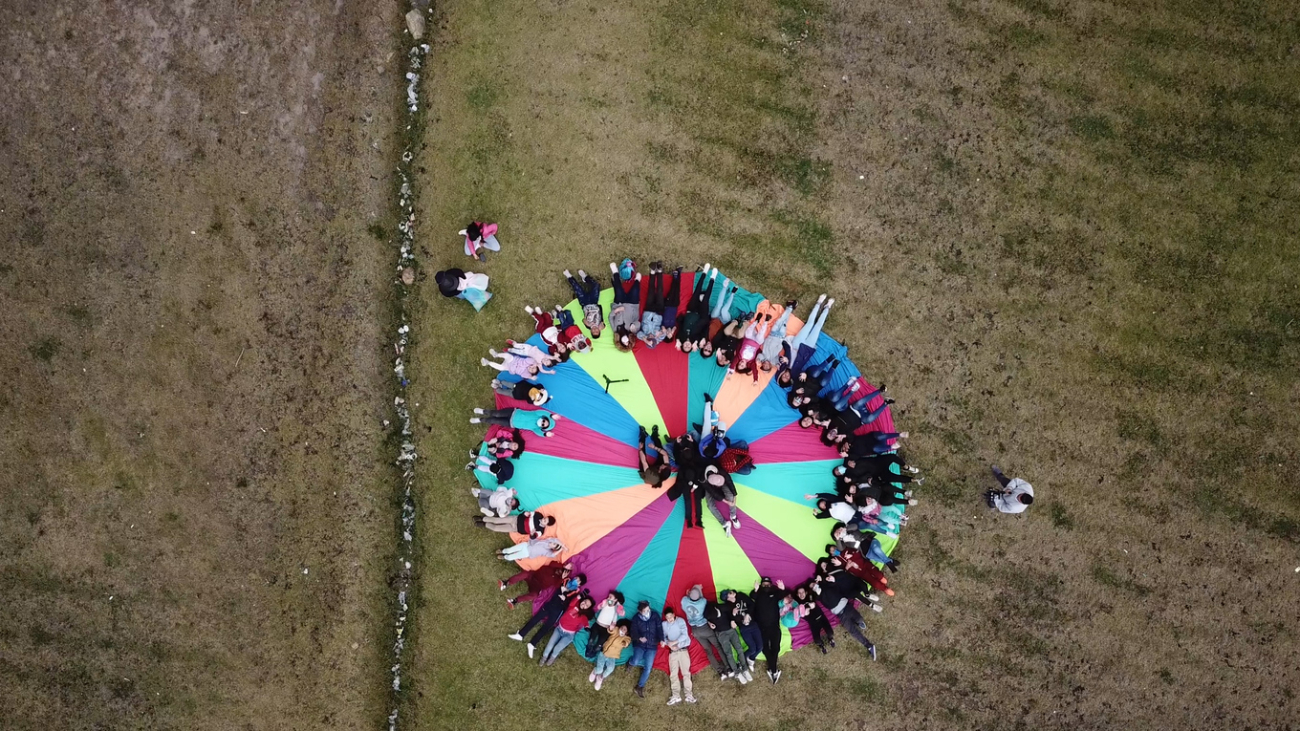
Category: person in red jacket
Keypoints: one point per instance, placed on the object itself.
(550, 576)
(574, 620)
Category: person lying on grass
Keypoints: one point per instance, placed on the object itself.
(495, 503)
(533, 548)
(551, 576)
(546, 617)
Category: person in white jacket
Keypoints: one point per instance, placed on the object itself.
(1015, 496)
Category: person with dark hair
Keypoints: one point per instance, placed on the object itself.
(677, 638)
(751, 345)
(534, 420)
(690, 485)
(858, 565)
(720, 492)
(741, 607)
(546, 617)
(655, 463)
(871, 444)
(571, 337)
(647, 633)
(610, 651)
(464, 285)
(502, 468)
(480, 237)
(769, 356)
(812, 613)
(1015, 496)
(827, 505)
(654, 314)
(608, 614)
(499, 503)
(532, 548)
(693, 328)
(572, 621)
(720, 620)
(625, 312)
(767, 612)
(505, 445)
(551, 576)
(588, 293)
(840, 602)
(531, 523)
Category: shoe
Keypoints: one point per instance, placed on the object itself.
(776, 678)
(516, 637)
(735, 524)
(640, 691)
(832, 642)
(599, 680)
(871, 650)
(877, 608)
(582, 274)
(726, 528)
(771, 677)
(741, 678)
(531, 648)
(567, 274)
(749, 677)
(690, 698)
(510, 603)
(911, 502)
(751, 665)
(823, 648)
(592, 678)
(722, 676)
(478, 411)
(674, 701)
(470, 466)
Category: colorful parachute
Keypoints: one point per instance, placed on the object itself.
(626, 535)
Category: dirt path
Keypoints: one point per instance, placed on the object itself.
(195, 512)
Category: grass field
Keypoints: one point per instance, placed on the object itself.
(1064, 233)
(194, 509)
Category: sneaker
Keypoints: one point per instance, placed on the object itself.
(726, 528)
(674, 701)
(770, 676)
(741, 678)
(735, 524)
(690, 698)
(531, 648)
(751, 665)
(516, 637)
(871, 650)
(599, 680)
(877, 608)
(823, 649)
(776, 678)
(502, 586)
(592, 678)
(640, 691)
(582, 274)
(832, 642)
(749, 677)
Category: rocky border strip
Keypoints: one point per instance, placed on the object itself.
(404, 286)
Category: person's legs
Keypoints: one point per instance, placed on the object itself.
(595, 640)
(821, 629)
(753, 638)
(732, 652)
(782, 323)
(801, 336)
(853, 624)
(875, 413)
(678, 668)
(672, 300)
(709, 642)
(517, 552)
(644, 658)
(556, 645)
(722, 304)
(716, 510)
(1003, 480)
(685, 662)
(724, 315)
(771, 646)
(490, 243)
(875, 554)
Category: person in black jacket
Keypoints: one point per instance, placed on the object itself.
(547, 617)
(840, 602)
(741, 608)
(767, 613)
(719, 617)
(818, 624)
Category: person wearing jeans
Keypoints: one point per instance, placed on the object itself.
(574, 620)
(588, 293)
(647, 632)
(610, 651)
(677, 639)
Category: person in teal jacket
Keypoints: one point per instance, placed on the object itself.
(534, 420)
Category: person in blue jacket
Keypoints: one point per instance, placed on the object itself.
(647, 632)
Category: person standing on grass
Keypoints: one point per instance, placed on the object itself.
(647, 632)
(1015, 496)
(677, 638)
(767, 612)
(610, 651)
(693, 606)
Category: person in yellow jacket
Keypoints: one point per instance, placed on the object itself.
(610, 652)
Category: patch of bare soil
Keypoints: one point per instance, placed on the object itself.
(195, 510)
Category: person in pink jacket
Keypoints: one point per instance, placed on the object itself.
(480, 237)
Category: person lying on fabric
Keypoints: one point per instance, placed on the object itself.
(508, 443)
(871, 444)
(830, 570)
(495, 503)
(546, 618)
(503, 469)
(693, 327)
(656, 326)
(813, 379)
(533, 393)
(827, 505)
(751, 345)
(769, 356)
(876, 490)
(889, 465)
(721, 493)
(571, 337)
(655, 462)
(532, 548)
(848, 539)
(608, 613)
(690, 485)
(545, 327)
(841, 605)
(528, 350)
(531, 523)
(741, 608)
(858, 565)
(517, 365)
(537, 421)
(736, 460)
(811, 612)
(725, 344)
(815, 412)
(588, 293)
(551, 576)
(799, 348)
(610, 651)
(625, 312)
(713, 439)
(572, 621)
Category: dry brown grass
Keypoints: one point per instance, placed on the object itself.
(194, 365)
(1060, 231)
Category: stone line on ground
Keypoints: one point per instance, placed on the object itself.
(415, 22)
